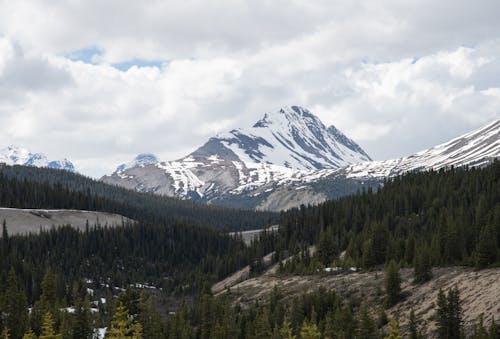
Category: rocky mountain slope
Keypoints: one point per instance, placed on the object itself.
(14, 155)
(290, 158)
(278, 147)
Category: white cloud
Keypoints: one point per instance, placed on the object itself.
(395, 78)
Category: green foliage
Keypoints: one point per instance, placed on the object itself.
(31, 187)
(449, 315)
(29, 335)
(48, 328)
(286, 331)
(487, 247)
(394, 330)
(309, 331)
(392, 284)
(367, 328)
(15, 307)
(414, 332)
(422, 266)
(422, 219)
(122, 325)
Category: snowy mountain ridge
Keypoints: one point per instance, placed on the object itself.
(279, 146)
(292, 137)
(287, 158)
(15, 155)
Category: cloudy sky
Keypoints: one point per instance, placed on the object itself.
(100, 81)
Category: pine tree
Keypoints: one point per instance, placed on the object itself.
(367, 329)
(326, 248)
(449, 315)
(262, 326)
(15, 307)
(480, 332)
(309, 331)
(122, 326)
(422, 266)
(394, 331)
(410, 250)
(82, 323)
(414, 333)
(30, 335)
(392, 284)
(286, 330)
(48, 330)
(486, 250)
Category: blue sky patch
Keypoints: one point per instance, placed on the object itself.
(125, 65)
(85, 54)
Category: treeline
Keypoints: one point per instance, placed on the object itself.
(419, 219)
(30, 187)
(175, 257)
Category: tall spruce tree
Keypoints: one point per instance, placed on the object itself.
(422, 266)
(15, 307)
(449, 314)
(392, 284)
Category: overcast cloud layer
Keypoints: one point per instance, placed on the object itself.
(98, 82)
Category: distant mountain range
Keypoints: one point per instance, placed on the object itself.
(14, 155)
(288, 158)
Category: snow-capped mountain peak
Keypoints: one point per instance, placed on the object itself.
(15, 155)
(292, 137)
(140, 160)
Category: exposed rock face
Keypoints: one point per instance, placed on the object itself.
(289, 158)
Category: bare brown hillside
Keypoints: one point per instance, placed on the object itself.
(479, 290)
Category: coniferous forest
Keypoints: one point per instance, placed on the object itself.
(152, 278)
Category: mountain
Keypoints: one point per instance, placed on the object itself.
(14, 155)
(292, 137)
(288, 158)
(474, 149)
(277, 146)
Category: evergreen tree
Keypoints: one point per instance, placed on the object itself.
(480, 332)
(326, 248)
(15, 307)
(394, 330)
(286, 330)
(122, 326)
(414, 333)
(392, 284)
(262, 327)
(48, 328)
(449, 315)
(410, 250)
(309, 330)
(367, 329)
(422, 267)
(30, 335)
(486, 250)
(82, 324)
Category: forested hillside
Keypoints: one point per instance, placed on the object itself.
(433, 218)
(418, 221)
(30, 187)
